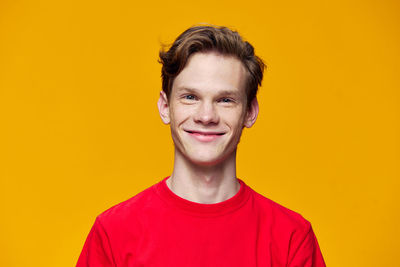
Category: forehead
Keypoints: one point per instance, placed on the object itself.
(212, 72)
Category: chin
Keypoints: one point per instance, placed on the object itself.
(207, 160)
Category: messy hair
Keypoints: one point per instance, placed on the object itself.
(208, 38)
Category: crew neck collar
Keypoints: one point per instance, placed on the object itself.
(200, 209)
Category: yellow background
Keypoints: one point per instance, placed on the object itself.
(80, 131)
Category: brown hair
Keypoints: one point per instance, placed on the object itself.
(207, 38)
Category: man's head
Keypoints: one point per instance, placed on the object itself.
(210, 80)
(211, 39)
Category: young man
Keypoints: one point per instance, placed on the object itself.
(203, 215)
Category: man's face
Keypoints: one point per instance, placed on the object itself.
(207, 108)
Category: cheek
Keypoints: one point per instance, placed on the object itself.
(235, 119)
(178, 115)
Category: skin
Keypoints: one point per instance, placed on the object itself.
(207, 111)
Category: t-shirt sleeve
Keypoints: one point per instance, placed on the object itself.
(97, 250)
(305, 251)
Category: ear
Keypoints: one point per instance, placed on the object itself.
(163, 107)
(252, 113)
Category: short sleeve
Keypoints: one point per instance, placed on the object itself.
(305, 252)
(97, 250)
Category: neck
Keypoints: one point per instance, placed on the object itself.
(204, 184)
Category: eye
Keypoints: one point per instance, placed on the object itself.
(189, 97)
(226, 100)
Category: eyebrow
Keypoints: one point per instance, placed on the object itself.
(222, 92)
(187, 89)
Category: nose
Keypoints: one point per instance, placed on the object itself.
(206, 114)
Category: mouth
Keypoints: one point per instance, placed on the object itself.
(205, 136)
(204, 133)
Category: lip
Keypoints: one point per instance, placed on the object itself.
(205, 136)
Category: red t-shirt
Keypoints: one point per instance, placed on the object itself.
(158, 228)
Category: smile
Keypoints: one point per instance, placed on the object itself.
(205, 136)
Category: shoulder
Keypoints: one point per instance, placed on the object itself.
(129, 210)
(280, 216)
(291, 235)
